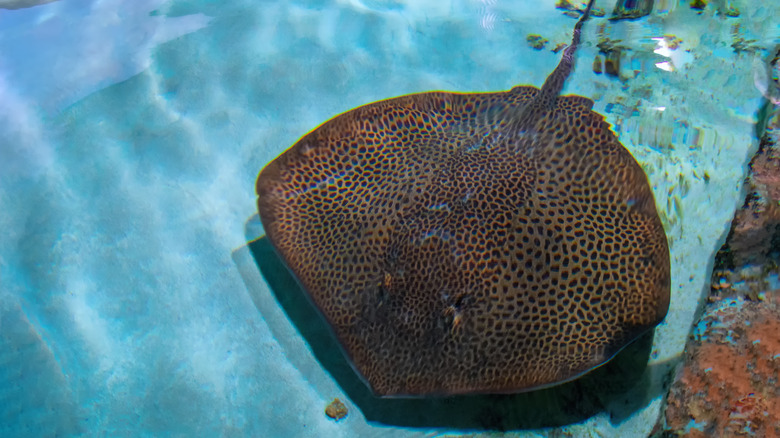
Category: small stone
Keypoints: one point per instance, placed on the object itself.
(558, 47)
(732, 12)
(536, 41)
(336, 410)
(597, 63)
(672, 41)
(612, 63)
(565, 5)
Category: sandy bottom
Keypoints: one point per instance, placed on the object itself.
(130, 303)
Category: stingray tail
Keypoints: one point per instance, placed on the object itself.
(554, 84)
(545, 100)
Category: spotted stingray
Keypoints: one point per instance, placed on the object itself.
(471, 242)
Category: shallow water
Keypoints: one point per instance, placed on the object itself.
(131, 134)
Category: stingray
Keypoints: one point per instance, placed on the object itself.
(471, 242)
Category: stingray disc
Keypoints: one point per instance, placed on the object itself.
(453, 250)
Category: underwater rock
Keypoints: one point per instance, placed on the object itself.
(632, 9)
(536, 41)
(597, 65)
(612, 51)
(336, 410)
(754, 238)
(699, 4)
(727, 385)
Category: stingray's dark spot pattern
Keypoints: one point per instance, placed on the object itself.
(456, 245)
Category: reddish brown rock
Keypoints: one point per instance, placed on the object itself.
(727, 385)
(755, 232)
(336, 410)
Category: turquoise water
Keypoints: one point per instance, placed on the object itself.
(131, 134)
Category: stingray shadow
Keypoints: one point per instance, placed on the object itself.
(620, 388)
